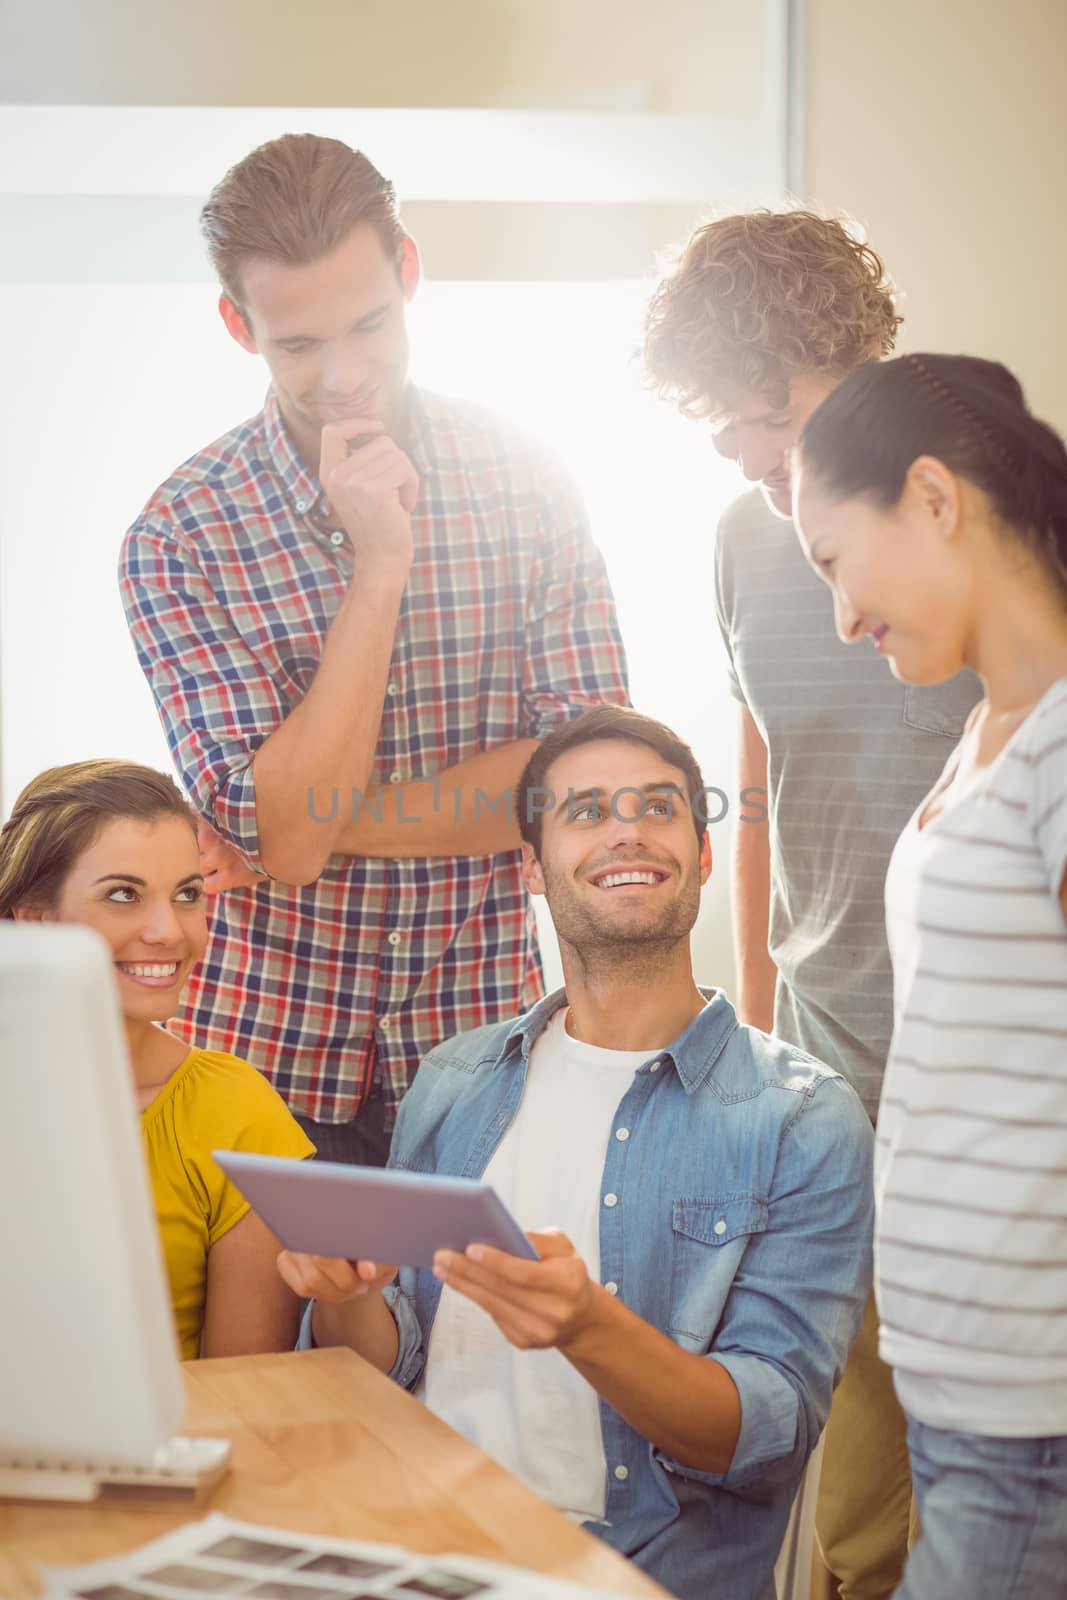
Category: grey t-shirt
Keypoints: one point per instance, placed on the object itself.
(851, 752)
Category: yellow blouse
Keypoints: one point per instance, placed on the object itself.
(213, 1102)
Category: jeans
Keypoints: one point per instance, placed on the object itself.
(993, 1514)
(363, 1142)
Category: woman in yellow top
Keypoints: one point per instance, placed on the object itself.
(113, 846)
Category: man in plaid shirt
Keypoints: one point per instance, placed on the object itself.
(358, 613)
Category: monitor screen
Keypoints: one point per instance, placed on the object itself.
(89, 1365)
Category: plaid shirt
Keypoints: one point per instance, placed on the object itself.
(230, 578)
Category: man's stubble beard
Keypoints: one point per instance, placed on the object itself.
(601, 952)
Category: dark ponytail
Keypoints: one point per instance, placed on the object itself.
(969, 413)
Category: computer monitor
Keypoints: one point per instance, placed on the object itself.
(89, 1368)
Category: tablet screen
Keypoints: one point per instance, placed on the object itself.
(326, 1208)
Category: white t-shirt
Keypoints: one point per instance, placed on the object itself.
(971, 1171)
(530, 1409)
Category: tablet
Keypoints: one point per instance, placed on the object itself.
(327, 1208)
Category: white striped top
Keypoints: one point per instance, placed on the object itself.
(971, 1168)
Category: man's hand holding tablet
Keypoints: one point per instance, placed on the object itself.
(535, 1286)
(551, 1303)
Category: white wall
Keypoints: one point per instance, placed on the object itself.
(629, 55)
(943, 125)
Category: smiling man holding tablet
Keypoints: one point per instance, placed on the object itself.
(664, 1370)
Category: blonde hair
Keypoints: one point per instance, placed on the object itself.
(59, 814)
(760, 297)
(295, 200)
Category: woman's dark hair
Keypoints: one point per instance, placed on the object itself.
(969, 413)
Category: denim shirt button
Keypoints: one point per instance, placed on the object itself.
(611, 1199)
(720, 1226)
(622, 1133)
(622, 1473)
(612, 1287)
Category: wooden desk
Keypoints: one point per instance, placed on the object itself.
(323, 1443)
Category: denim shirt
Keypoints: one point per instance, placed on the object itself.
(737, 1220)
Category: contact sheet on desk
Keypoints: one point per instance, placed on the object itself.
(228, 1560)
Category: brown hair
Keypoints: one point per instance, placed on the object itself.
(294, 200)
(759, 297)
(970, 414)
(59, 814)
(605, 722)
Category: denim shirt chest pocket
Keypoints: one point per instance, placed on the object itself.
(709, 1239)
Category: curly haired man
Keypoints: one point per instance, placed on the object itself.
(764, 314)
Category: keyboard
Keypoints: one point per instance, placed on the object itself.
(184, 1466)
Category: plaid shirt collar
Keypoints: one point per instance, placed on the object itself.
(304, 490)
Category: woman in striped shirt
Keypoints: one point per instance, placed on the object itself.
(935, 506)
